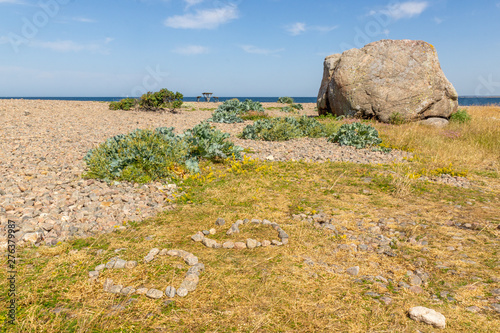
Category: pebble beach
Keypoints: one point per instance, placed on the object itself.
(42, 145)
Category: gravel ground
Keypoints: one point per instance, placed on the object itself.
(42, 145)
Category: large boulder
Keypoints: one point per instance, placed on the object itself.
(385, 79)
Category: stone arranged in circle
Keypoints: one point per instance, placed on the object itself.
(188, 285)
(201, 236)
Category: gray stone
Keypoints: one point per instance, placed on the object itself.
(353, 270)
(154, 293)
(496, 307)
(240, 245)
(127, 291)
(190, 282)
(496, 292)
(191, 260)
(100, 267)
(473, 309)
(403, 285)
(173, 253)
(251, 243)
(182, 292)
(120, 263)
(415, 280)
(210, 243)
(382, 79)
(265, 243)
(428, 316)
(108, 283)
(228, 245)
(154, 252)
(116, 289)
(130, 264)
(197, 237)
(206, 232)
(141, 291)
(149, 258)
(256, 221)
(435, 122)
(220, 222)
(282, 234)
(111, 263)
(93, 274)
(170, 292)
(200, 266)
(277, 243)
(386, 300)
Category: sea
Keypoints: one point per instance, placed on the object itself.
(462, 101)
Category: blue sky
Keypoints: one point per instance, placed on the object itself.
(231, 48)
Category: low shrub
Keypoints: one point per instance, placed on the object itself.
(292, 108)
(230, 111)
(357, 135)
(254, 115)
(461, 116)
(124, 104)
(283, 129)
(151, 101)
(285, 100)
(147, 155)
(396, 118)
(163, 99)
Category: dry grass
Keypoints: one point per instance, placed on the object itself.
(275, 289)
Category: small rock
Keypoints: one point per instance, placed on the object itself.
(100, 267)
(148, 258)
(251, 243)
(277, 243)
(191, 260)
(141, 291)
(220, 222)
(415, 280)
(210, 243)
(93, 274)
(170, 292)
(206, 232)
(428, 316)
(386, 300)
(473, 309)
(190, 282)
(182, 292)
(173, 253)
(353, 270)
(108, 283)
(240, 245)
(120, 263)
(212, 231)
(197, 237)
(228, 245)
(154, 293)
(116, 289)
(110, 264)
(372, 294)
(127, 291)
(416, 289)
(266, 243)
(130, 264)
(496, 307)
(404, 285)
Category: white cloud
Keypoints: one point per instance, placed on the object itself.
(191, 50)
(204, 19)
(190, 3)
(71, 46)
(296, 28)
(299, 28)
(83, 20)
(403, 9)
(256, 50)
(438, 20)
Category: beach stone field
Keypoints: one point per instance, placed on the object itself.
(43, 143)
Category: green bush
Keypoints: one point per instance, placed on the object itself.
(163, 99)
(283, 129)
(146, 155)
(357, 135)
(285, 100)
(461, 116)
(124, 104)
(397, 118)
(292, 108)
(230, 111)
